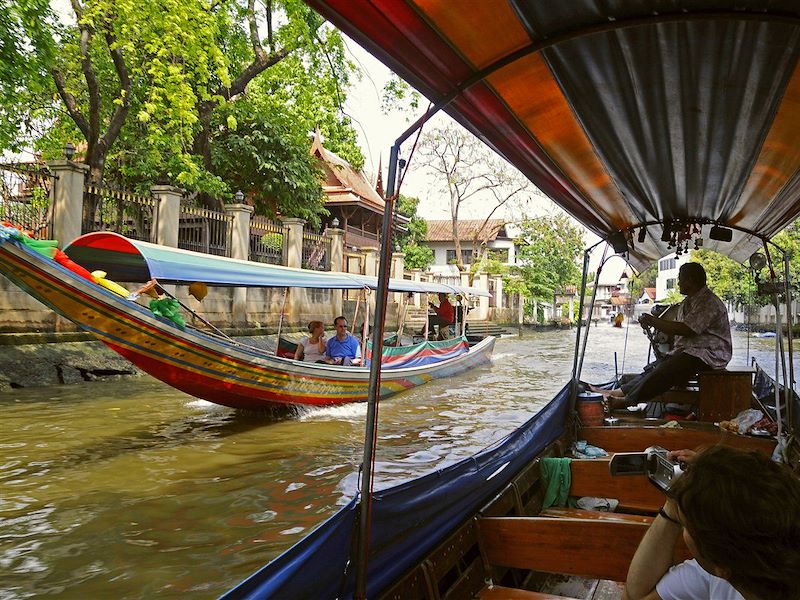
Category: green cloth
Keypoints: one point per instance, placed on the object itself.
(44, 247)
(169, 308)
(557, 475)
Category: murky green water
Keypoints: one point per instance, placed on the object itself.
(133, 490)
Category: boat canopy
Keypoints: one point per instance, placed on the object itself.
(629, 115)
(128, 260)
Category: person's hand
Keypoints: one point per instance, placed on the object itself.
(647, 320)
(681, 456)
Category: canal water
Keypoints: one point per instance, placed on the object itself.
(130, 489)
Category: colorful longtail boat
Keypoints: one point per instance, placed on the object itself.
(204, 364)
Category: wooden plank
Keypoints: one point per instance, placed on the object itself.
(593, 478)
(498, 592)
(724, 394)
(577, 513)
(636, 439)
(589, 548)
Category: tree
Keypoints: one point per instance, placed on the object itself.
(416, 254)
(645, 279)
(151, 87)
(467, 171)
(548, 251)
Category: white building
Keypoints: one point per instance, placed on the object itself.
(667, 278)
(476, 237)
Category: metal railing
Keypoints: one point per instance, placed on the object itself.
(204, 230)
(25, 197)
(108, 209)
(266, 241)
(316, 251)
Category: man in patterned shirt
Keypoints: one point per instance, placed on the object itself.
(702, 342)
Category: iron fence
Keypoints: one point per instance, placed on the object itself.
(124, 212)
(316, 251)
(266, 241)
(204, 230)
(25, 197)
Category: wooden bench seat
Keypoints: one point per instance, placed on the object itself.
(558, 512)
(584, 547)
(634, 492)
(498, 592)
(690, 435)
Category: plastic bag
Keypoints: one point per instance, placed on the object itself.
(747, 418)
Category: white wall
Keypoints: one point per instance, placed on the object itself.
(667, 275)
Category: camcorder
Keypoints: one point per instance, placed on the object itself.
(653, 462)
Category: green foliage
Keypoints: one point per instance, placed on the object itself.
(416, 254)
(196, 82)
(273, 241)
(548, 250)
(645, 279)
(673, 297)
(417, 257)
(398, 96)
(269, 161)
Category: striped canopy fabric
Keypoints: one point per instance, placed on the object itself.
(625, 113)
(128, 260)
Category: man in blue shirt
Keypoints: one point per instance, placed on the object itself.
(343, 349)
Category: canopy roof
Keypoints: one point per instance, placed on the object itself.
(624, 113)
(129, 260)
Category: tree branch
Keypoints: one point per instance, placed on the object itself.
(70, 103)
(121, 112)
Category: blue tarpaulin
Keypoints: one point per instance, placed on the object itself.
(408, 520)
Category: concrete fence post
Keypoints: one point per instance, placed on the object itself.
(398, 267)
(293, 242)
(483, 304)
(167, 215)
(337, 264)
(239, 248)
(66, 199)
(417, 275)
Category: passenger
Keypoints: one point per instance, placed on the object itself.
(312, 347)
(445, 314)
(702, 342)
(739, 513)
(343, 349)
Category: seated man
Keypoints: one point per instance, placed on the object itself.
(739, 513)
(702, 342)
(343, 348)
(445, 313)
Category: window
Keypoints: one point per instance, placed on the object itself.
(466, 257)
(671, 283)
(451, 257)
(666, 264)
(500, 254)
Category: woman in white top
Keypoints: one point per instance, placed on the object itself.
(312, 348)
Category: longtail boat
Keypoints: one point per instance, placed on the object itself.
(655, 124)
(202, 363)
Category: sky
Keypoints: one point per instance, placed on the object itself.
(377, 132)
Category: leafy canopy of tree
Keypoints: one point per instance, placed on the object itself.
(645, 279)
(184, 92)
(416, 254)
(548, 252)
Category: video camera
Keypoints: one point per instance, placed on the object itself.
(653, 462)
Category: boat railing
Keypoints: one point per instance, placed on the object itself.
(110, 209)
(25, 197)
(266, 241)
(204, 230)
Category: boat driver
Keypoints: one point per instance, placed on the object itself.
(702, 343)
(739, 513)
(445, 314)
(343, 348)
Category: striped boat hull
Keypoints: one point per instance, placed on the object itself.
(206, 367)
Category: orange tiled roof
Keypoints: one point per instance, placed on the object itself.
(442, 231)
(342, 182)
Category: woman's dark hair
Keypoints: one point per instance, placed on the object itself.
(743, 513)
(312, 325)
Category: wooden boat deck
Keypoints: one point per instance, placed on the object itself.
(514, 550)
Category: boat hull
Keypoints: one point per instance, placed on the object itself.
(214, 369)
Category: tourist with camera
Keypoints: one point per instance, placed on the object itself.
(739, 514)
